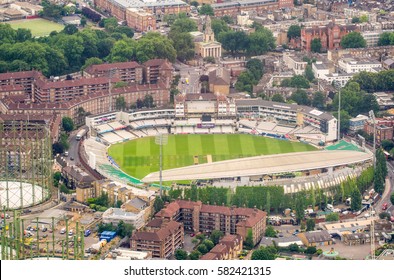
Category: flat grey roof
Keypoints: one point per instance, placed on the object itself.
(261, 165)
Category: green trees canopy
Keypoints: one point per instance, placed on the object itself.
(353, 40)
(297, 81)
(386, 39)
(219, 26)
(181, 39)
(278, 98)
(294, 32)
(301, 97)
(264, 253)
(234, 41)
(316, 45)
(68, 124)
(206, 9)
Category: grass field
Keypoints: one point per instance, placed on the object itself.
(39, 27)
(141, 156)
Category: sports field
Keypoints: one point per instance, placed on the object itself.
(39, 27)
(141, 156)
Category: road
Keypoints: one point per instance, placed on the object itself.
(73, 150)
(388, 190)
(190, 78)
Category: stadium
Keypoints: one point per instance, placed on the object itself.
(224, 142)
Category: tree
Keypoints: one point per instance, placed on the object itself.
(219, 26)
(184, 46)
(353, 40)
(228, 19)
(355, 20)
(263, 254)
(316, 45)
(278, 98)
(120, 103)
(332, 217)
(70, 29)
(68, 124)
(318, 100)
(181, 25)
(356, 199)
(270, 231)
(234, 41)
(206, 9)
(158, 204)
(392, 198)
(386, 39)
(153, 45)
(110, 23)
(261, 42)
(245, 82)
(122, 51)
(384, 216)
(294, 247)
(255, 66)
(193, 193)
(180, 254)
(215, 236)
(294, 32)
(309, 73)
(72, 47)
(194, 3)
(297, 81)
(124, 229)
(249, 243)
(268, 204)
(83, 21)
(195, 255)
(311, 250)
(125, 30)
(300, 97)
(23, 34)
(310, 225)
(209, 244)
(364, 18)
(202, 249)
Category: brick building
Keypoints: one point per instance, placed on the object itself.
(233, 8)
(329, 35)
(384, 129)
(118, 8)
(90, 92)
(198, 217)
(228, 248)
(140, 20)
(160, 237)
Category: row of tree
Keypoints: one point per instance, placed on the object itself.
(373, 82)
(386, 39)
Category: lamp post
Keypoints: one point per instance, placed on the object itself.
(372, 116)
(161, 140)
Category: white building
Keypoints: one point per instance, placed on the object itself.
(115, 215)
(294, 63)
(353, 65)
(320, 69)
(384, 100)
(357, 123)
(338, 78)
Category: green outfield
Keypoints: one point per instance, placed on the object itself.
(39, 27)
(141, 156)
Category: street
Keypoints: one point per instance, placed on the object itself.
(190, 78)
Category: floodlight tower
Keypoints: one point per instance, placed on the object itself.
(372, 236)
(161, 140)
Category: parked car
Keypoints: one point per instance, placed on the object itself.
(385, 206)
(44, 229)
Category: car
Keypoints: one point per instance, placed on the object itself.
(25, 211)
(70, 232)
(296, 232)
(44, 229)
(63, 231)
(87, 233)
(66, 153)
(45, 236)
(385, 206)
(192, 234)
(71, 158)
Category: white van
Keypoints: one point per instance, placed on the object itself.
(63, 231)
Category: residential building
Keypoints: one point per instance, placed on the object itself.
(315, 238)
(233, 8)
(369, 53)
(30, 8)
(228, 248)
(320, 69)
(384, 100)
(354, 65)
(329, 35)
(383, 131)
(198, 217)
(357, 123)
(115, 215)
(338, 79)
(160, 237)
(371, 37)
(219, 81)
(118, 8)
(140, 20)
(388, 64)
(76, 177)
(130, 72)
(294, 63)
(208, 47)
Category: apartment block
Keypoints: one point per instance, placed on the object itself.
(160, 237)
(140, 20)
(198, 217)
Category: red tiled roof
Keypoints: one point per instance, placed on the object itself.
(210, 256)
(108, 66)
(167, 229)
(11, 88)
